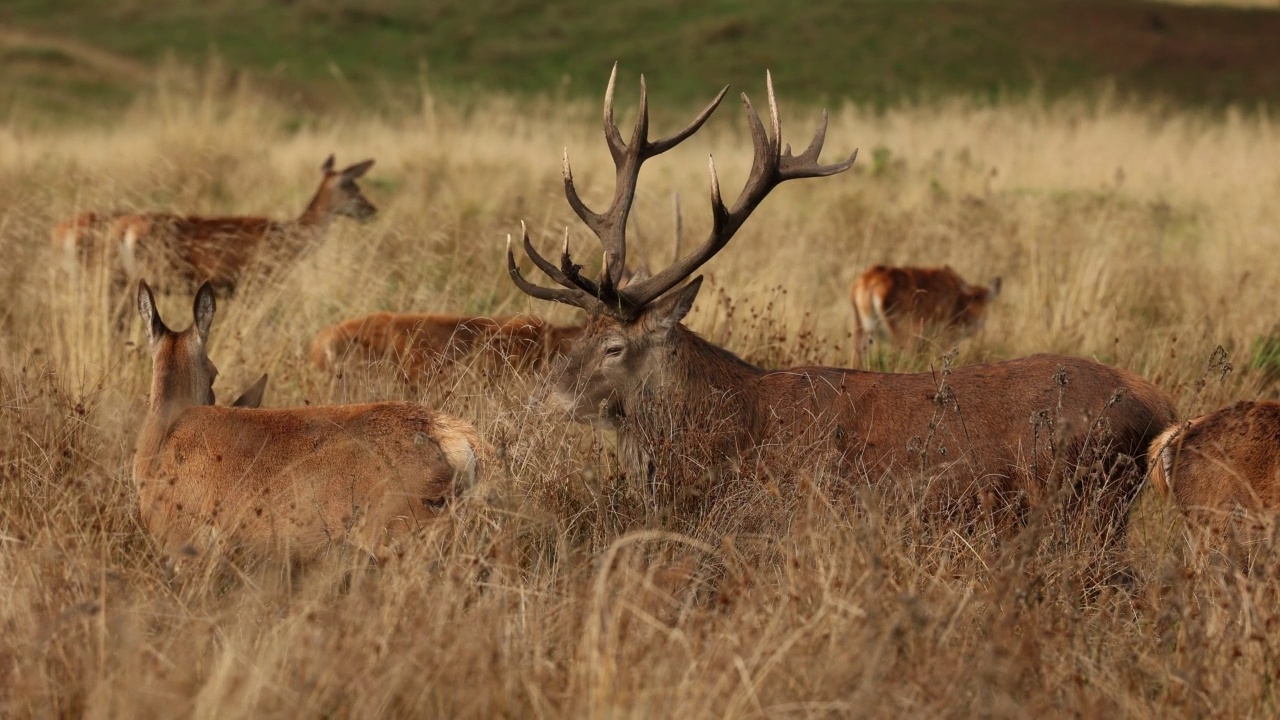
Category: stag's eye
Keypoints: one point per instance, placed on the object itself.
(613, 351)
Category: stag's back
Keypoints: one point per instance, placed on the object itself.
(1006, 428)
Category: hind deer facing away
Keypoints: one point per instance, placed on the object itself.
(191, 249)
(420, 343)
(285, 481)
(1219, 461)
(681, 405)
(910, 305)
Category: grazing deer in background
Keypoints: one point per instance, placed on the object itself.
(684, 408)
(192, 249)
(910, 304)
(290, 481)
(1219, 461)
(419, 344)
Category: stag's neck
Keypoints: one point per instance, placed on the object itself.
(701, 385)
(700, 365)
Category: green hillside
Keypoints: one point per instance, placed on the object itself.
(67, 56)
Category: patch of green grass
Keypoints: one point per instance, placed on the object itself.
(871, 51)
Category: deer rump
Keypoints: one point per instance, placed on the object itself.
(909, 305)
(294, 480)
(1221, 460)
(1004, 435)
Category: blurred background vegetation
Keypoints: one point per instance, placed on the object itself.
(77, 60)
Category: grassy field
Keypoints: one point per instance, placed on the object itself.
(58, 54)
(1139, 236)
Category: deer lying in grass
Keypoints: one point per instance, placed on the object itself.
(289, 482)
(192, 249)
(1219, 461)
(908, 305)
(684, 408)
(419, 344)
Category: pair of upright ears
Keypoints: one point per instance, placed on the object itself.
(202, 312)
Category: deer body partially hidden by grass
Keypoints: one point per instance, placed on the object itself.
(288, 482)
(1218, 462)
(419, 344)
(913, 305)
(188, 250)
(81, 239)
(684, 408)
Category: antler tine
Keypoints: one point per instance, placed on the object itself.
(769, 168)
(658, 147)
(611, 132)
(570, 269)
(610, 226)
(806, 163)
(568, 295)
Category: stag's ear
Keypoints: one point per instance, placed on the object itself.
(357, 170)
(252, 397)
(995, 287)
(670, 310)
(150, 315)
(327, 167)
(203, 311)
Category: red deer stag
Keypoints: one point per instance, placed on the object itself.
(419, 344)
(289, 482)
(682, 406)
(1219, 461)
(909, 305)
(192, 249)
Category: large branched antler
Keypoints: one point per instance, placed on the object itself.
(770, 167)
(609, 226)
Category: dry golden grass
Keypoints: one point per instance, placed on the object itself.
(1140, 237)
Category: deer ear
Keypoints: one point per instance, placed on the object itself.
(203, 311)
(327, 167)
(358, 170)
(150, 315)
(995, 287)
(252, 397)
(669, 311)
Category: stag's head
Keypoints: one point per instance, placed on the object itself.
(342, 193)
(634, 328)
(182, 374)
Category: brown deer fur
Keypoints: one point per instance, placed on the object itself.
(290, 481)
(1221, 460)
(908, 305)
(684, 408)
(419, 343)
(191, 249)
(971, 433)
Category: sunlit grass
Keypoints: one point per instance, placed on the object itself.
(1143, 239)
